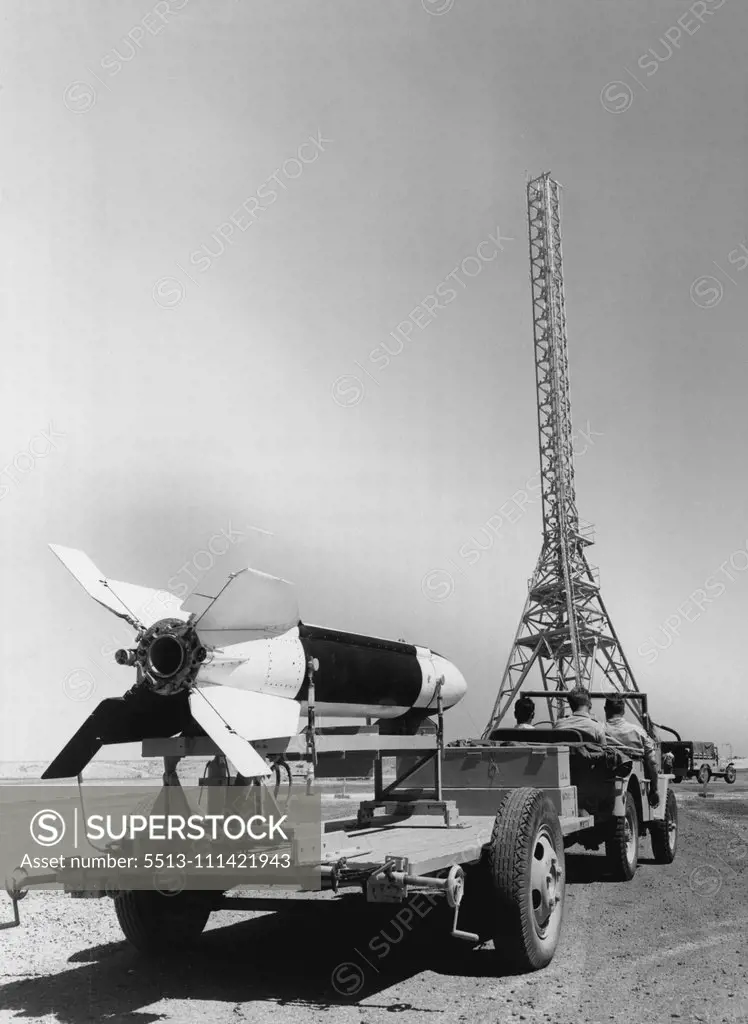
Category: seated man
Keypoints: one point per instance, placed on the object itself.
(524, 712)
(633, 739)
(597, 758)
(581, 718)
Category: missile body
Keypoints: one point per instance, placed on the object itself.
(236, 664)
(358, 676)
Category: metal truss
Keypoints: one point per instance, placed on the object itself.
(565, 632)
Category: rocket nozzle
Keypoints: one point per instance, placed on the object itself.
(165, 656)
(169, 656)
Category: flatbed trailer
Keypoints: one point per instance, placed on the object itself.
(482, 824)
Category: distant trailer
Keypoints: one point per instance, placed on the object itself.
(696, 759)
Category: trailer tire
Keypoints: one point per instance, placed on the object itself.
(731, 774)
(704, 774)
(153, 922)
(526, 868)
(665, 833)
(622, 844)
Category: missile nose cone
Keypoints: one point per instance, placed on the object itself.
(455, 687)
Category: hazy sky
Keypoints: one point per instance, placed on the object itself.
(172, 372)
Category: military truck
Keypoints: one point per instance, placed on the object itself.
(698, 759)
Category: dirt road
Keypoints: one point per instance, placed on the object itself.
(668, 946)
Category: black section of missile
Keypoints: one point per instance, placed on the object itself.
(355, 669)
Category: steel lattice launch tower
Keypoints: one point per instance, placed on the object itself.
(565, 628)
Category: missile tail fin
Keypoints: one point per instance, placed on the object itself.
(91, 579)
(76, 754)
(232, 718)
(140, 606)
(248, 601)
(106, 724)
(139, 715)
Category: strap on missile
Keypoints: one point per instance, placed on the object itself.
(312, 666)
(439, 738)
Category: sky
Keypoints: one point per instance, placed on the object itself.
(224, 225)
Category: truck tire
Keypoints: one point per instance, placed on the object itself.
(731, 774)
(677, 778)
(665, 833)
(622, 844)
(526, 869)
(704, 774)
(157, 923)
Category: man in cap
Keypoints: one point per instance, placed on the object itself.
(618, 764)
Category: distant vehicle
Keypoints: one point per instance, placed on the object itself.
(696, 759)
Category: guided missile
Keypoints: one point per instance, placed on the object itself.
(232, 661)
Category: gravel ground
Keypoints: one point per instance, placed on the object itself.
(668, 946)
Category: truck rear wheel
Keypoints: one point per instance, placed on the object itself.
(154, 922)
(526, 868)
(665, 833)
(704, 774)
(622, 844)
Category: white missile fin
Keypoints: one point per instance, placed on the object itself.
(91, 579)
(254, 716)
(147, 604)
(248, 600)
(234, 717)
(239, 751)
(127, 600)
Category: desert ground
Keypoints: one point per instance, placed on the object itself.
(669, 945)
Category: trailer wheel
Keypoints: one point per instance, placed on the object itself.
(527, 871)
(731, 774)
(704, 774)
(665, 833)
(622, 844)
(153, 922)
